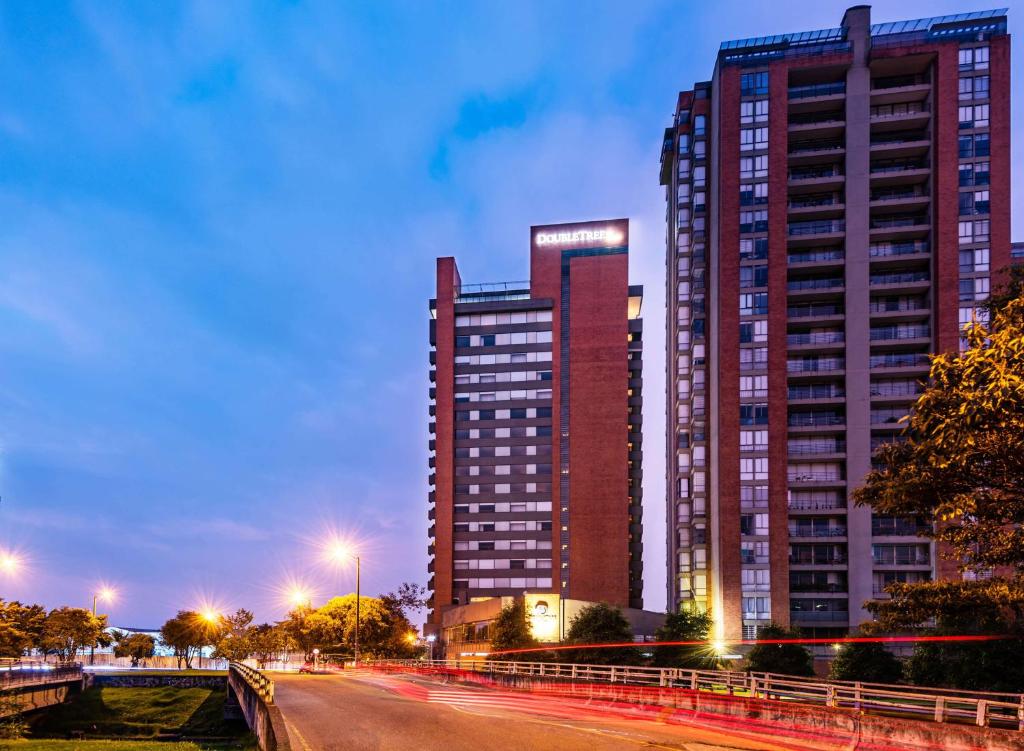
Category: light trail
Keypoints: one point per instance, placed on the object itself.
(711, 645)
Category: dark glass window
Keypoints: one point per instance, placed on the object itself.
(487, 414)
(544, 431)
(517, 414)
(462, 341)
(543, 411)
(752, 84)
(486, 546)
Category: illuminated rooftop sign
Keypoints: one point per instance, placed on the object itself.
(597, 235)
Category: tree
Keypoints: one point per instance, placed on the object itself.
(136, 647)
(685, 626)
(12, 719)
(407, 598)
(68, 630)
(869, 662)
(384, 630)
(600, 623)
(186, 634)
(510, 630)
(992, 607)
(265, 641)
(785, 659)
(297, 630)
(21, 628)
(234, 642)
(962, 463)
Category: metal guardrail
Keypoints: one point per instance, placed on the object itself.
(257, 681)
(985, 709)
(18, 673)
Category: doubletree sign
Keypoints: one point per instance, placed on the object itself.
(542, 612)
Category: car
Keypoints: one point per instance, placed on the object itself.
(313, 668)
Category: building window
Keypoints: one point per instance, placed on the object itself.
(754, 386)
(753, 414)
(974, 116)
(754, 276)
(754, 84)
(974, 58)
(754, 112)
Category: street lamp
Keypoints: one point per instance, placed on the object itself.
(103, 594)
(9, 563)
(211, 618)
(338, 553)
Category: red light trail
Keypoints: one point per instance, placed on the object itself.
(714, 645)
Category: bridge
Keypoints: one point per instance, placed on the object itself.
(478, 705)
(38, 684)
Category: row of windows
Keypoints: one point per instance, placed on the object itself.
(501, 563)
(753, 331)
(754, 112)
(753, 304)
(753, 139)
(487, 451)
(513, 432)
(975, 116)
(505, 414)
(502, 469)
(974, 58)
(974, 145)
(974, 87)
(974, 260)
(974, 232)
(501, 508)
(512, 376)
(501, 396)
(504, 488)
(502, 583)
(974, 202)
(753, 166)
(510, 526)
(502, 545)
(495, 319)
(974, 289)
(974, 173)
(753, 193)
(500, 340)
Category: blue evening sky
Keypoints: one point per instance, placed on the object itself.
(218, 225)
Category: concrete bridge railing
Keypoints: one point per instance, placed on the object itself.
(37, 684)
(253, 692)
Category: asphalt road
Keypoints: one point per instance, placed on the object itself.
(373, 711)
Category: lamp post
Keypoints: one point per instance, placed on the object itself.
(104, 594)
(339, 552)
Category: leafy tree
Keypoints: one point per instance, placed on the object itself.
(685, 626)
(12, 721)
(510, 630)
(383, 629)
(1011, 289)
(962, 464)
(265, 641)
(785, 659)
(67, 630)
(407, 598)
(987, 607)
(869, 662)
(234, 642)
(136, 647)
(298, 631)
(21, 627)
(600, 623)
(186, 634)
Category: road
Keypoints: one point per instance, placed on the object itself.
(376, 712)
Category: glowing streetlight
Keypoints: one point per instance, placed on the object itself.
(103, 594)
(339, 552)
(299, 598)
(9, 563)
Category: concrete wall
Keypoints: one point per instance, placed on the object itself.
(264, 719)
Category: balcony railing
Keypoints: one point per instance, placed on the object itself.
(900, 109)
(900, 560)
(815, 365)
(831, 616)
(814, 419)
(802, 284)
(892, 222)
(901, 527)
(896, 194)
(817, 89)
(810, 448)
(814, 477)
(824, 505)
(886, 139)
(830, 587)
(899, 305)
(891, 333)
(811, 311)
(898, 388)
(823, 560)
(896, 82)
(897, 166)
(816, 118)
(812, 173)
(816, 228)
(805, 147)
(900, 278)
(817, 337)
(812, 531)
(882, 250)
(898, 360)
(806, 202)
(816, 391)
(814, 256)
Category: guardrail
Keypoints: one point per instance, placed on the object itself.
(18, 673)
(257, 681)
(985, 709)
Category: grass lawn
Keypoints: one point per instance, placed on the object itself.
(139, 713)
(49, 745)
(146, 671)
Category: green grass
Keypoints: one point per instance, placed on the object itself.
(162, 672)
(51, 745)
(140, 713)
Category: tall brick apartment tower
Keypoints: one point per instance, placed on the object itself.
(535, 426)
(838, 202)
